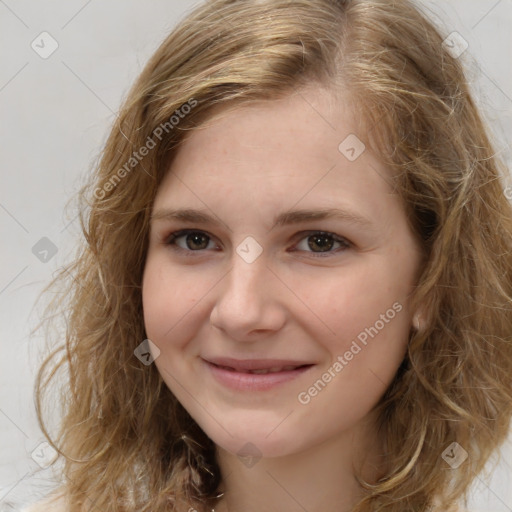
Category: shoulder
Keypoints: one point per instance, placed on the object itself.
(53, 503)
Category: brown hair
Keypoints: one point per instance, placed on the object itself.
(126, 443)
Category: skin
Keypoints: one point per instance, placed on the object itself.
(244, 168)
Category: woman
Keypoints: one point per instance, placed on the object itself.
(295, 291)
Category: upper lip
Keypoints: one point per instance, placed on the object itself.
(254, 364)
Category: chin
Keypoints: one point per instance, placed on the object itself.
(255, 437)
(256, 446)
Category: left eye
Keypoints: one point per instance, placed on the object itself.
(324, 242)
(318, 242)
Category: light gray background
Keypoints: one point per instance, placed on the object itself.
(55, 115)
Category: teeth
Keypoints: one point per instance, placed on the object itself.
(272, 370)
(275, 369)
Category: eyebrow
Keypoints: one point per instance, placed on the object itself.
(288, 217)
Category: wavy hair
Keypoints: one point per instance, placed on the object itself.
(125, 441)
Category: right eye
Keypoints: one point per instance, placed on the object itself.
(191, 241)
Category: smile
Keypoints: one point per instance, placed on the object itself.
(263, 371)
(254, 374)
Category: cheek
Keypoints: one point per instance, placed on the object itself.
(349, 302)
(367, 310)
(372, 324)
(168, 297)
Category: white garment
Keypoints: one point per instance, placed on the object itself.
(50, 504)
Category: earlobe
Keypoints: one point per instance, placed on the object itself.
(419, 320)
(416, 322)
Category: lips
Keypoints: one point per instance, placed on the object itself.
(255, 374)
(256, 366)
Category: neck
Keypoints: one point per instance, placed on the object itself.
(321, 478)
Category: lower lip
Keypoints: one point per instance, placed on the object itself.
(254, 381)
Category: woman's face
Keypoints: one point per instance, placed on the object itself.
(277, 327)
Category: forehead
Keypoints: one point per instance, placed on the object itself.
(302, 147)
(312, 115)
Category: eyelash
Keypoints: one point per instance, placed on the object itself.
(171, 242)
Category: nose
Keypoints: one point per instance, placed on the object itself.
(248, 301)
